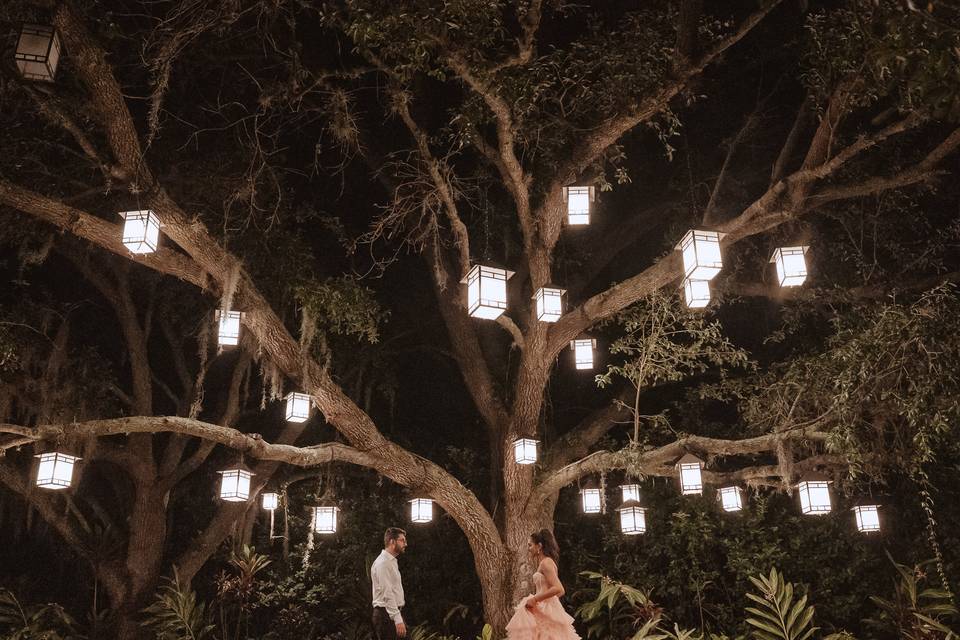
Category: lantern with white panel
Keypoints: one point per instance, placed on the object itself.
(421, 510)
(325, 519)
(38, 52)
(55, 470)
(814, 491)
(583, 352)
(578, 201)
(868, 517)
(228, 327)
(297, 407)
(731, 498)
(791, 265)
(630, 492)
(701, 254)
(691, 480)
(525, 450)
(487, 291)
(235, 484)
(591, 499)
(633, 518)
(549, 304)
(269, 501)
(141, 231)
(696, 293)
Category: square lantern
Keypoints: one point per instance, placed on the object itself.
(487, 291)
(630, 492)
(297, 407)
(633, 518)
(235, 484)
(578, 201)
(731, 498)
(696, 293)
(591, 500)
(868, 517)
(791, 265)
(55, 470)
(141, 231)
(691, 481)
(701, 254)
(269, 501)
(421, 510)
(814, 490)
(583, 352)
(525, 450)
(549, 304)
(228, 330)
(325, 519)
(38, 52)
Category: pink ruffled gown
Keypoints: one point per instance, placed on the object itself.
(547, 621)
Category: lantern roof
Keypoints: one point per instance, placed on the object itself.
(549, 286)
(238, 467)
(720, 236)
(629, 504)
(803, 247)
(58, 452)
(486, 265)
(690, 459)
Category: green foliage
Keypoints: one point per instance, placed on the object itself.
(36, 622)
(779, 616)
(342, 306)
(915, 612)
(177, 615)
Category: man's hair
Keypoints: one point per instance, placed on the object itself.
(391, 534)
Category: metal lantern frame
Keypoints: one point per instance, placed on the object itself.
(235, 484)
(270, 501)
(868, 517)
(296, 407)
(421, 510)
(583, 349)
(324, 519)
(730, 498)
(549, 303)
(579, 201)
(525, 450)
(228, 327)
(633, 518)
(702, 259)
(689, 468)
(141, 231)
(696, 293)
(630, 491)
(486, 291)
(55, 470)
(814, 492)
(38, 52)
(791, 263)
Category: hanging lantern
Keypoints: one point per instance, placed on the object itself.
(269, 501)
(696, 293)
(691, 481)
(325, 519)
(235, 484)
(525, 450)
(578, 201)
(549, 304)
(814, 493)
(421, 510)
(868, 517)
(297, 407)
(591, 499)
(38, 52)
(55, 470)
(630, 492)
(487, 291)
(141, 231)
(731, 498)
(228, 331)
(791, 265)
(633, 518)
(583, 352)
(701, 254)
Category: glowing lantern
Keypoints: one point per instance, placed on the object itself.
(325, 519)
(235, 484)
(297, 407)
(630, 492)
(421, 510)
(696, 293)
(38, 52)
(269, 501)
(583, 352)
(791, 265)
(701, 254)
(814, 493)
(868, 517)
(228, 331)
(691, 481)
(591, 499)
(487, 291)
(55, 470)
(525, 451)
(549, 304)
(633, 518)
(141, 231)
(731, 498)
(578, 201)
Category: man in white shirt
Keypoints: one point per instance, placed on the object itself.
(387, 587)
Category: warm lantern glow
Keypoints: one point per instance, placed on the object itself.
(297, 407)
(228, 332)
(814, 493)
(590, 498)
(630, 492)
(633, 518)
(578, 204)
(421, 510)
(701, 254)
(235, 485)
(487, 291)
(691, 481)
(38, 52)
(141, 231)
(525, 451)
(583, 352)
(549, 304)
(731, 498)
(270, 501)
(325, 519)
(696, 293)
(868, 518)
(791, 265)
(55, 470)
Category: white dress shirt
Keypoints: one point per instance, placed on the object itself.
(387, 588)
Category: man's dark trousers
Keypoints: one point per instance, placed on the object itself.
(383, 626)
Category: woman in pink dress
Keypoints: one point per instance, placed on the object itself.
(541, 616)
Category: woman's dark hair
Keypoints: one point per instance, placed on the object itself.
(546, 540)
